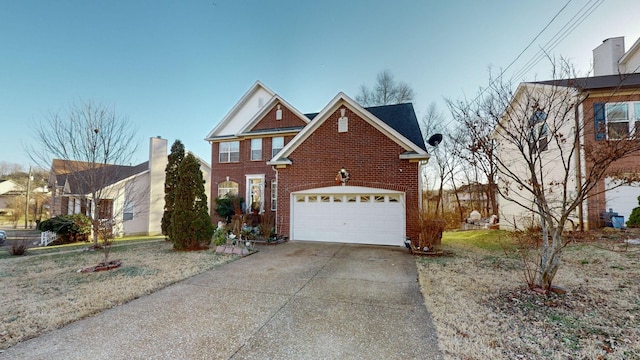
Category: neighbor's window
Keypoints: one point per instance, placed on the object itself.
(127, 213)
(538, 131)
(227, 187)
(256, 149)
(229, 151)
(622, 119)
(105, 209)
(277, 143)
(274, 194)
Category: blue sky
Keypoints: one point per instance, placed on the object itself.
(175, 68)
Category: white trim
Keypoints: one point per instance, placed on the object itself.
(339, 100)
(239, 105)
(268, 107)
(248, 200)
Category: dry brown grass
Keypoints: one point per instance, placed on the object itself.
(483, 310)
(45, 292)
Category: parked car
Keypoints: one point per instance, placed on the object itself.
(3, 237)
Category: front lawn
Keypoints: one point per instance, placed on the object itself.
(43, 290)
(482, 309)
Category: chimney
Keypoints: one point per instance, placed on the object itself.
(607, 55)
(157, 164)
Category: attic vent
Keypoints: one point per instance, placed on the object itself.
(343, 121)
(278, 113)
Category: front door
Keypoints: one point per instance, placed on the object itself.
(255, 193)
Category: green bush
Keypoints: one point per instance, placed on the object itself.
(70, 228)
(228, 205)
(634, 218)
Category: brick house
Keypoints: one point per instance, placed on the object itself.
(346, 174)
(609, 110)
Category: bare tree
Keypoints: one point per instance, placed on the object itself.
(94, 146)
(539, 136)
(476, 145)
(386, 91)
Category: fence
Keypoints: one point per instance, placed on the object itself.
(47, 237)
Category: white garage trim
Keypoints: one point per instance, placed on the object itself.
(621, 199)
(349, 214)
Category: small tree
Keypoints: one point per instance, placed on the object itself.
(170, 183)
(190, 227)
(91, 139)
(539, 143)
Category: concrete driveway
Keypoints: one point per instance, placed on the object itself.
(297, 300)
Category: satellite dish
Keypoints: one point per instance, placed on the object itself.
(435, 139)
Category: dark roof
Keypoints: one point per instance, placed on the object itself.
(105, 175)
(401, 117)
(597, 82)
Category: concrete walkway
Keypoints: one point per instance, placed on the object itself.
(297, 300)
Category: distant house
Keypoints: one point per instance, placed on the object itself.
(9, 189)
(131, 198)
(609, 110)
(346, 174)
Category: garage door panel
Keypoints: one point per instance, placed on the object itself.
(621, 199)
(352, 218)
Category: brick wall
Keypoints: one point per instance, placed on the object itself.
(597, 203)
(370, 157)
(289, 119)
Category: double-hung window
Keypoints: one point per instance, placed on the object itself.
(277, 143)
(256, 149)
(623, 119)
(229, 151)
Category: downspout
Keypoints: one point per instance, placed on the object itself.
(275, 215)
(579, 166)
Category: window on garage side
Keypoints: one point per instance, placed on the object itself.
(365, 198)
(378, 198)
(256, 149)
(394, 198)
(277, 143)
(351, 198)
(229, 151)
(274, 194)
(227, 187)
(337, 198)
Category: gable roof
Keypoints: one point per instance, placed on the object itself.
(257, 86)
(395, 115)
(265, 109)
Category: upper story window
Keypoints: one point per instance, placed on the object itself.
(229, 151)
(256, 149)
(277, 143)
(538, 131)
(622, 119)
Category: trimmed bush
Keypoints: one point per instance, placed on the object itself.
(634, 218)
(70, 228)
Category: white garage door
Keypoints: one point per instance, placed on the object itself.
(622, 199)
(349, 214)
